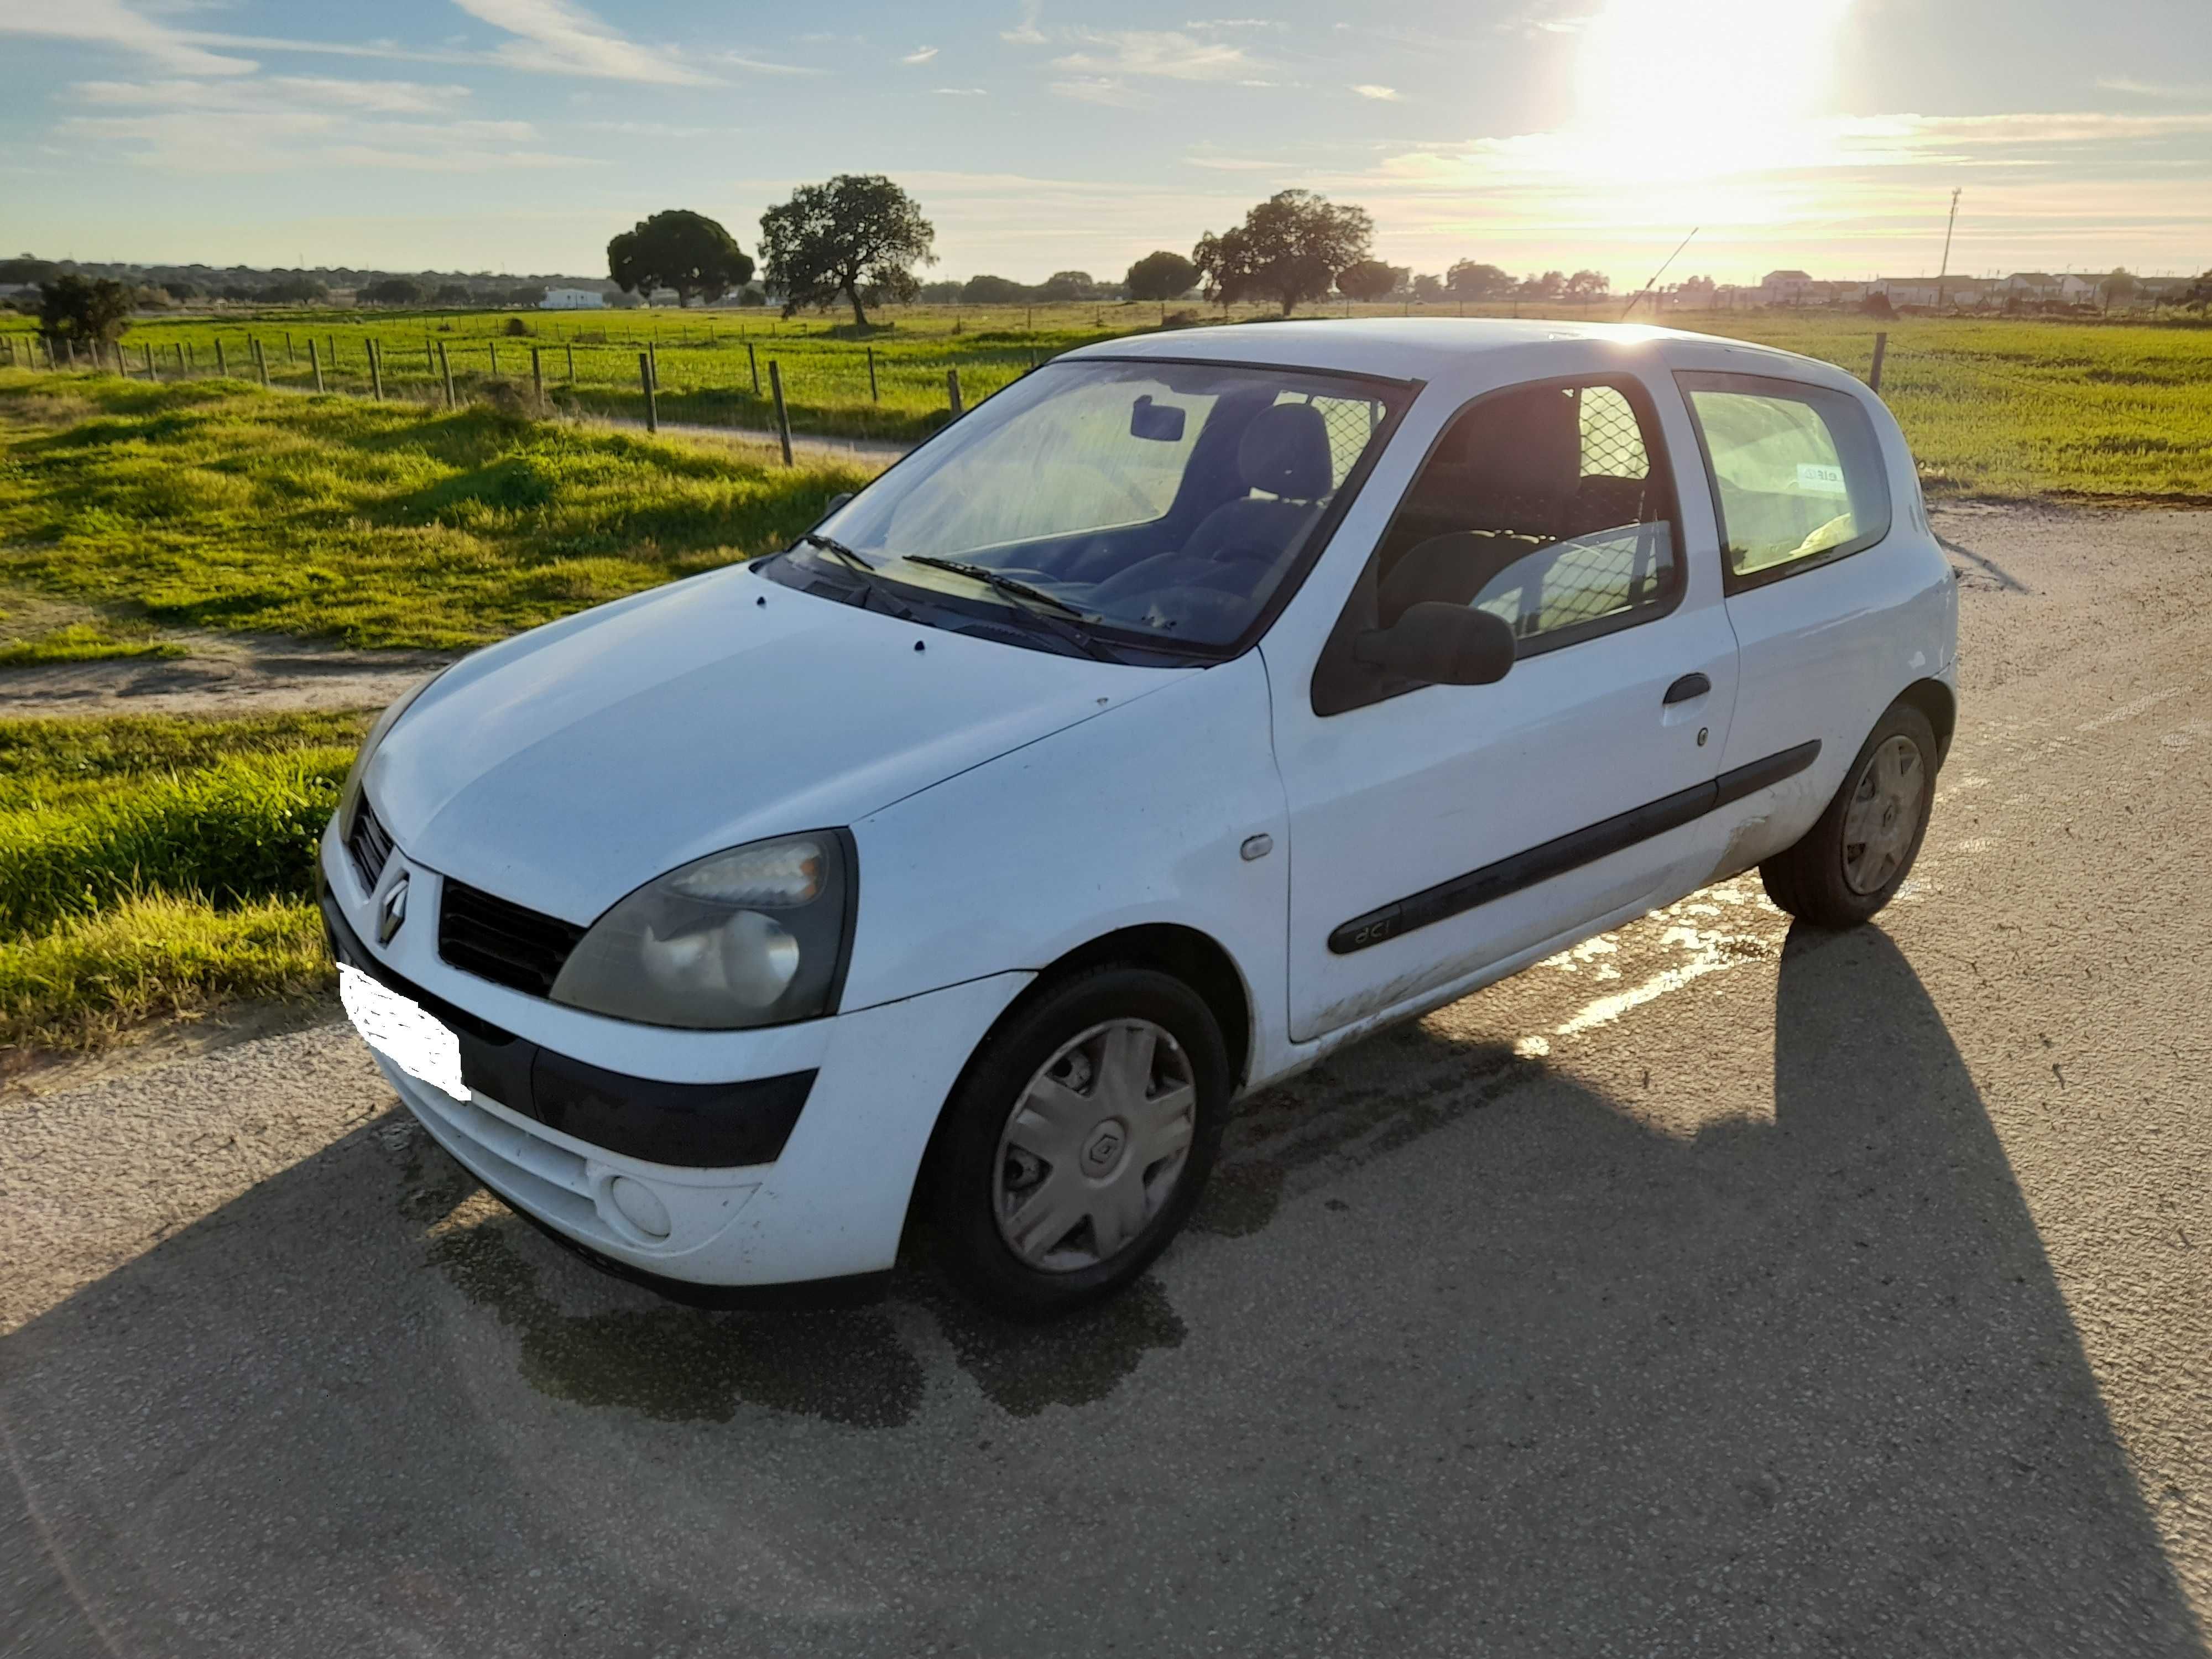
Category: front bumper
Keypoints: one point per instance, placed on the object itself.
(831, 1163)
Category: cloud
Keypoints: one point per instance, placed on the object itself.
(960, 92)
(1026, 33)
(1381, 94)
(1167, 54)
(111, 23)
(297, 123)
(554, 37)
(1099, 89)
(1236, 23)
(1230, 163)
(655, 130)
(2154, 88)
(920, 55)
(377, 97)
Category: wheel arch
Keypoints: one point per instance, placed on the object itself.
(1197, 958)
(1935, 700)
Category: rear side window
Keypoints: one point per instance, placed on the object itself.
(1796, 473)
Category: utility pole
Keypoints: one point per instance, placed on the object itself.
(1948, 225)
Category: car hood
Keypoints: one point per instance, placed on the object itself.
(563, 768)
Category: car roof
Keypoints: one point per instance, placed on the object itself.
(1417, 347)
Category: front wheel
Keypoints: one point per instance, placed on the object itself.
(1853, 860)
(1078, 1144)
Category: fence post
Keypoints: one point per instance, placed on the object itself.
(220, 366)
(191, 359)
(782, 415)
(375, 371)
(753, 361)
(445, 373)
(652, 353)
(495, 360)
(572, 365)
(153, 374)
(315, 364)
(873, 397)
(536, 377)
(1881, 350)
(430, 355)
(289, 358)
(645, 379)
(952, 389)
(68, 348)
(260, 360)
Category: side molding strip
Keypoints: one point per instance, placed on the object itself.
(1569, 852)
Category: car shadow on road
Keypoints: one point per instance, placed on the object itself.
(1807, 1383)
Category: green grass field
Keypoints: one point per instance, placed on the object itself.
(152, 866)
(1994, 407)
(210, 504)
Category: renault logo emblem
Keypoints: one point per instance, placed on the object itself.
(391, 910)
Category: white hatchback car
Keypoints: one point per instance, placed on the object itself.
(1195, 705)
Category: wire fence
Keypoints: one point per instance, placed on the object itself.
(850, 391)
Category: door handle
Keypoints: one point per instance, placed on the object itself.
(1689, 686)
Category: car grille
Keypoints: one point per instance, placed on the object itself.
(369, 845)
(502, 942)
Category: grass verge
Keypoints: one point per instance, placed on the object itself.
(154, 866)
(214, 505)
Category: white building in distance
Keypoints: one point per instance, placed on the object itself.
(572, 299)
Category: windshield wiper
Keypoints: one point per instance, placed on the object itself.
(871, 580)
(1031, 597)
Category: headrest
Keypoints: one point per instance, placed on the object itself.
(1284, 452)
(1525, 443)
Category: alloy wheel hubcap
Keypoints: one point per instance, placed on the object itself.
(1095, 1146)
(1883, 815)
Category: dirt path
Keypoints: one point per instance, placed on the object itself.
(1717, 1286)
(225, 674)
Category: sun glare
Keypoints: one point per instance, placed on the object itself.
(1690, 93)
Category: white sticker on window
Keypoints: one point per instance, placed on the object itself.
(1820, 480)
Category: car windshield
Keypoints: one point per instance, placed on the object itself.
(1126, 502)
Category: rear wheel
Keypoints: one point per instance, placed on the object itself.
(1853, 860)
(1078, 1144)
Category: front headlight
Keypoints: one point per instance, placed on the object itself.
(755, 936)
(349, 796)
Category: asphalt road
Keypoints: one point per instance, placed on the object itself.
(1718, 1287)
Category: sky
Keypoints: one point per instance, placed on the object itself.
(517, 136)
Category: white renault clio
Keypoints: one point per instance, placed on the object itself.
(1192, 707)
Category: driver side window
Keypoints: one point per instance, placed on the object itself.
(1549, 506)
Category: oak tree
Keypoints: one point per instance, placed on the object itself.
(687, 252)
(857, 237)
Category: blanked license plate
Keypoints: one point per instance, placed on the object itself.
(402, 1031)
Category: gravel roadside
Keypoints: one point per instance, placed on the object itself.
(1717, 1284)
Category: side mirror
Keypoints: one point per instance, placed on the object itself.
(1160, 422)
(1442, 644)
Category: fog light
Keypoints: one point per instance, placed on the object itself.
(641, 1206)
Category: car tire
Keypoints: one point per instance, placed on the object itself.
(1052, 1123)
(1853, 860)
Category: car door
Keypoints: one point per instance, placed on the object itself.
(1438, 830)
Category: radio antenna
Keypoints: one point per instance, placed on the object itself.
(1657, 274)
